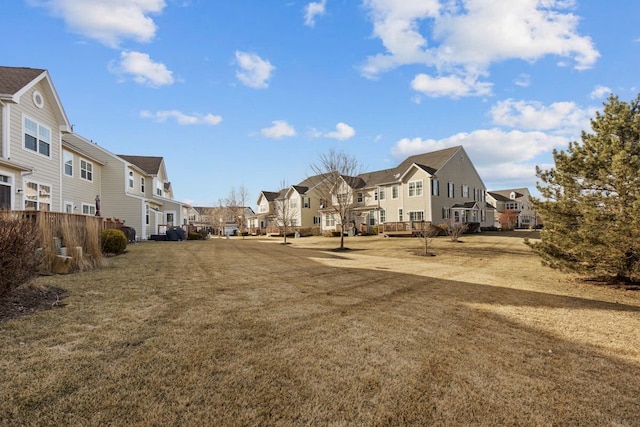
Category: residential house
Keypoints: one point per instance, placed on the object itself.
(221, 220)
(134, 189)
(32, 123)
(513, 208)
(435, 187)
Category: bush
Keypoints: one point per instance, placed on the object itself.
(113, 241)
(194, 236)
(19, 255)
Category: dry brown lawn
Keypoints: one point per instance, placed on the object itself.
(252, 332)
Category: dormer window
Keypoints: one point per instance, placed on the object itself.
(512, 196)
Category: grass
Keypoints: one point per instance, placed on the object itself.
(251, 332)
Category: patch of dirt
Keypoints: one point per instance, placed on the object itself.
(27, 300)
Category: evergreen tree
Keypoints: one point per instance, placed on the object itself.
(590, 200)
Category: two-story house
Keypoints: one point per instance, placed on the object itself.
(32, 123)
(513, 208)
(45, 166)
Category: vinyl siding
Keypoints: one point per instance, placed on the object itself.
(78, 190)
(46, 169)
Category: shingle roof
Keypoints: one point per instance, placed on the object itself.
(270, 195)
(430, 162)
(506, 194)
(12, 79)
(150, 165)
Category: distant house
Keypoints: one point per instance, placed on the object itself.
(513, 206)
(221, 220)
(434, 187)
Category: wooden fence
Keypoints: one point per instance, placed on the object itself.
(70, 242)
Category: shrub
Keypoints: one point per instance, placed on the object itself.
(375, 230)
(194, 236)
(19, 255)
(113, 241)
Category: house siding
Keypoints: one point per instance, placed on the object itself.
(46, 170)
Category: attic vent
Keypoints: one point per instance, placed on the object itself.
(38, 99)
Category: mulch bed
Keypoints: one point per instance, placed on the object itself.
(27, 300)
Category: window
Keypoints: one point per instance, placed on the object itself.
(330, 220)
(483, 215)
(67, 157)
(360, 197)
(306, 202)
(37, 197)
(435, 187)
(465, 191)
(86, 170)
(450, 190)
(37, 137)
(372, 217)
(68, 207)
(511, 206)
(147, 214)
(142, 184)
(400, 215)
(381, 193)
(159, 189)
(170, 219)
(446, 213)
(5, 192)
(130, 179)
(323, 203)
(293, 203)
(416, 216)
(394, 192)
(316, 220)
(383, 216)
(415, 188)
(88, 209)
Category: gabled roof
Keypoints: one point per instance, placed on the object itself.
(300, 188)
(430, 162)
(149, 164)
(269, 195)
(505, 195)
(13, 79)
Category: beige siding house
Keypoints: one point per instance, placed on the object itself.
(134, 189)
(32, 122)
(517, 201)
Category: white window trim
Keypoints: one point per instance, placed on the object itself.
(37, 150)
(68, 204)
(38, 194)
(64, 163)
(89, 207)
(415, 189)
(87, 172)
(409, 213)
(11, 184)
(397, 188)
(131, 176)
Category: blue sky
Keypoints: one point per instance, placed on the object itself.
(251, 92)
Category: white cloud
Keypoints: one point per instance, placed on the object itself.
(312, 10)
(254, 71)
(506, 157)
(523, 80)
(465, 37)
(451, 86)
(279, 129)
(600, 92)
(108, 21)
(560, 117)
(143, 70)
(343, 132)
(181, 118)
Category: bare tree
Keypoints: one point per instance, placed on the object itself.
(427, 232)
(335, 179)
(455, 229)
(283, 212)
(236, 205)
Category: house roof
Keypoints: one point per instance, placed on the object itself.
(504, 195)
(430, 162)
(300, 188)
(12, 79)
(150, 165)
(270, 195)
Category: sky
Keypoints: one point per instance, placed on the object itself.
(250, 93)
